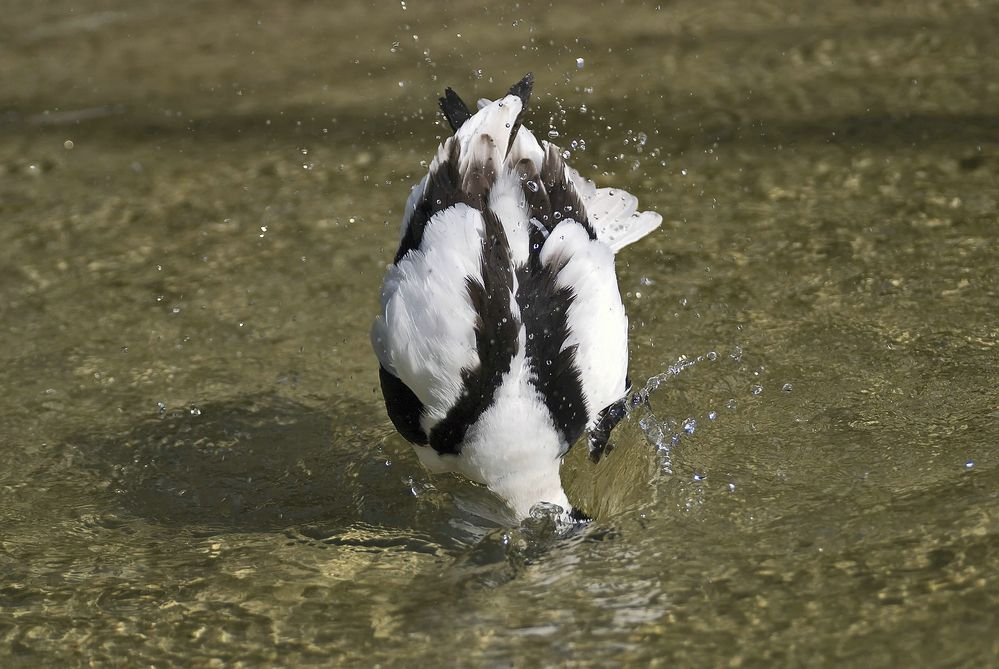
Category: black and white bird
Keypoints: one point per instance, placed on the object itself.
(502, 336)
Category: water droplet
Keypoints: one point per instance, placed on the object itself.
(580, 63)
(700, 477)
(161, 407)
(731, 487)
(970, 464)
(646, 281)
(712, 415)
(756, 389)
(194, 411)
(683, 172)
(68, 144)
(712, 355)
(642, 138)
(532, 186)
(786, 387)
(566, 154)
(553, 133)
(689, 425)
(175, 310)
(731, 405)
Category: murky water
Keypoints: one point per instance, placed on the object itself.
(196, 206)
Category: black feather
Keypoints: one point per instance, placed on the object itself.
(522, 89)
(455, 110)
(403, 406)
(495, 339)
(544, 311)
(444, 189)
(564, 201)
(537, 200)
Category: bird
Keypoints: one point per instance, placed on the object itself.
(501, 335)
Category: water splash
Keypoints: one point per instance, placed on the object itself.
(664, 433)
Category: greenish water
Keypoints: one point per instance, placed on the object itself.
(197, 202)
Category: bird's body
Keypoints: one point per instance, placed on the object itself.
(502, 336)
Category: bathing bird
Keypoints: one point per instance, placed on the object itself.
(501, 334)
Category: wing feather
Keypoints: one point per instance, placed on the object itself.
(597, 324)
(425, 333)
(613, 213)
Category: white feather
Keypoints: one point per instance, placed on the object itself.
(513, 447)
(597, 322)
(493, 123)
(508, 202)
(613, 213)
(425, 333)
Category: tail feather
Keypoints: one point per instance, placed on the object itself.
(492, 142)
(455, 110)
(522, 89)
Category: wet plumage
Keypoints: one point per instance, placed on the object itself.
(501, 335)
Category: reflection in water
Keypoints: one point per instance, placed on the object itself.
(257, 463)
(265, 463)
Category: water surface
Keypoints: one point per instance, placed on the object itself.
(197, 203)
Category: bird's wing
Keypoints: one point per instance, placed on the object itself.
(425, 333)
(442, 304)
(597, 327)
(568, 291)
(613, 213)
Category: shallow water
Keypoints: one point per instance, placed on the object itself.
(197, 204)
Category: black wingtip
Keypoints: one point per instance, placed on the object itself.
(522, 89)
(455, 110)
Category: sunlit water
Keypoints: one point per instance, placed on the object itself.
(196, 207)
